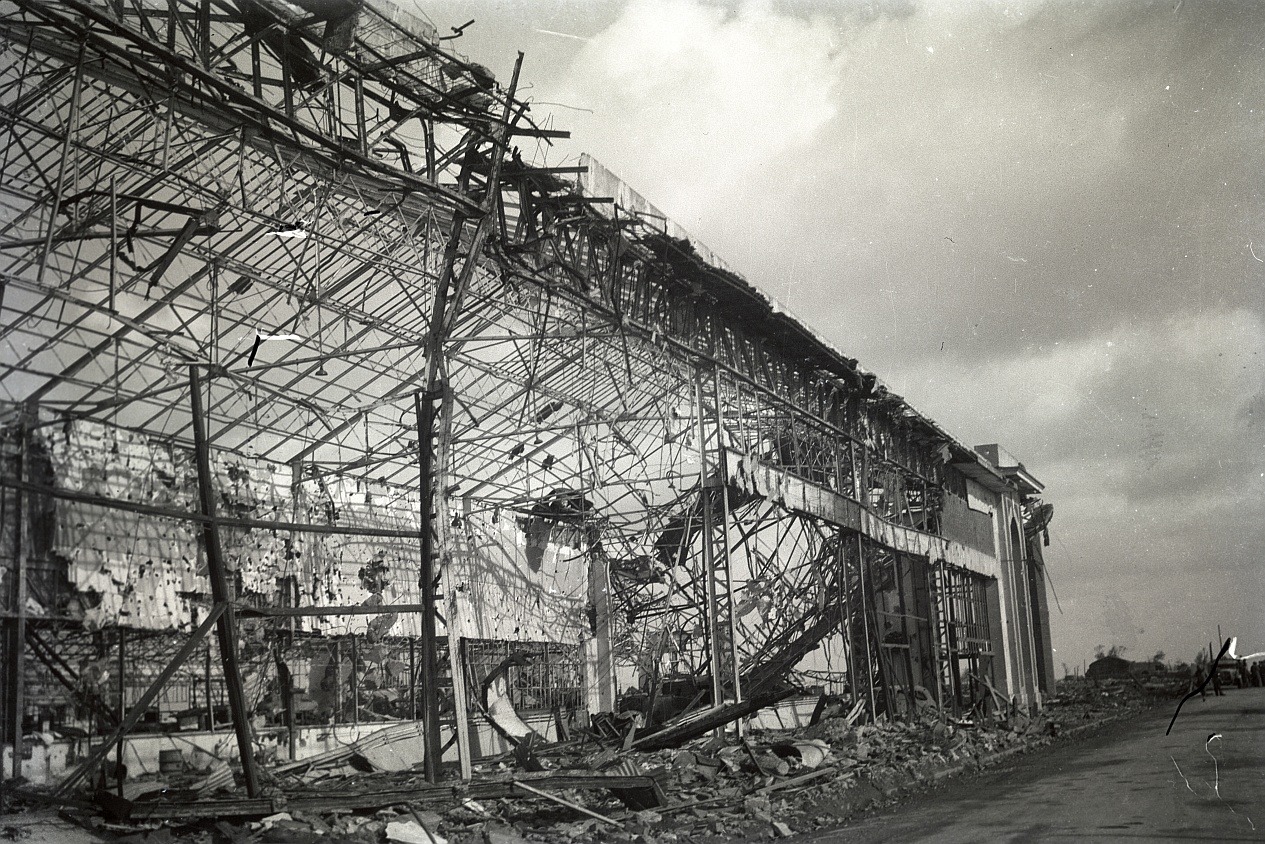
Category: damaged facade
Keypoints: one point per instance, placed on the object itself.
(327, 408)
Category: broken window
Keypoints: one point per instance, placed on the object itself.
(546, 675)
(966, 637)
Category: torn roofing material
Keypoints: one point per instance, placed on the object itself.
(731, 294)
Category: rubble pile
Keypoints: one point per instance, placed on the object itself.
(1082, 698)
(709, 789)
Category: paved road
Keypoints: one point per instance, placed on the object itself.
(1126, 783)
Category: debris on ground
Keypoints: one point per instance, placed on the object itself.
(709, 788)
(598, 786)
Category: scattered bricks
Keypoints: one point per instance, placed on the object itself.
(577, 829)
(758, 807)
(643, 823)
(708, 767)
(767, 763)
(684, 761)
(498, 833)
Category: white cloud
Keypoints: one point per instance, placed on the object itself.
(703, 96)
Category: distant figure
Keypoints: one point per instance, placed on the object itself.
(1232, 652)
(1256, 674)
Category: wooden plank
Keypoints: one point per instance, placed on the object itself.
(794, 781)
(313, 801)
(561, 802)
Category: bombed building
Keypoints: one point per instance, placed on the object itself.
(327, 413)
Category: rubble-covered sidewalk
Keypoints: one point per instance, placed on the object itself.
(766, 784)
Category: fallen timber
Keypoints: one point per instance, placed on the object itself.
(487, 788)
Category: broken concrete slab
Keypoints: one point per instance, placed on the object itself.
(412, 832)
(499, 833)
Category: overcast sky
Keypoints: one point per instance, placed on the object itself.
(1039, 222)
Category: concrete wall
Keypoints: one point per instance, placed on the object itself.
(962, 523)
(1002, 679)
(1043, 644)
(1016, 600)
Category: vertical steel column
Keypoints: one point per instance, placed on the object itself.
(726, 551)
(1025, 579)
(287, 698)
(412, 678)
(114, 242)
(424, 406)
(865, 625)
(287, 83)
(361, 133)
(934, 625)
(905, 623)
(122, 748)
(338, 679)
(355, 687)
(704, 498)
(226, 627)
(449, 290)
(461, 709)
(256, 77)
(16, 669)
(845, 590)
(210, 703)
(454, 625)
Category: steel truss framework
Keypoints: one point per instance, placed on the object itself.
(304, 235)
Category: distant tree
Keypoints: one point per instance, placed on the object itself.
(1158, 659)
(1101, 651)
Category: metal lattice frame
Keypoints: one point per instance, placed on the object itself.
(324, 214)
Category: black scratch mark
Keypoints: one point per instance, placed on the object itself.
(1211, 669)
